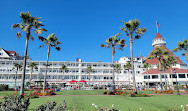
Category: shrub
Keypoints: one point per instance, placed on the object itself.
(14, 103)
(50, 106)
(4, 87)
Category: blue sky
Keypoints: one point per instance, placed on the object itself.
(82, 25)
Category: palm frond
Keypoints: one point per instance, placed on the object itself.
(32, 38)
(58, 48)
(41, 46)
(15, 26)
(18, 35)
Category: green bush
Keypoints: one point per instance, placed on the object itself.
(51, 106)
(4, 87)
(14, 103)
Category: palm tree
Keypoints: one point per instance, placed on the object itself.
(28, 23)
(182, 46)
(158, 53)
(89, 70)
(17, 67)
(172, 60)
(147, 66)
(63, 68)
(118, 70)
(112, 42)
(128, 66)
(131, 28)
(32, 66)
(50, 41)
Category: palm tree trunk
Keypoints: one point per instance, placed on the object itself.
(15, 79)
(48, 53)
(148, 78)
(165, 79)
(89, 78)
(63, 74)
(161, 84)
(113, 82)
(131, 52)
(24, 65)
(30, 78)
(171, 77)
(186, 54)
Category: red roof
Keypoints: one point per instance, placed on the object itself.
(155, 60)
(12, 52)
(156, 71)
(157, 36)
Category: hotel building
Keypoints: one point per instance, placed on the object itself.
(101, 74)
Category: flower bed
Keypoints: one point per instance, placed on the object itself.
(124, 93)
(165, 92)
(38, 93)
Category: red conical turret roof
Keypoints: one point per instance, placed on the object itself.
(157, 36)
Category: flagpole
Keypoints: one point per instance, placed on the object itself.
(157, 26)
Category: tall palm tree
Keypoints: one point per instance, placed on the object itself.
(50, 41)
(89, 70)
(112, 42)
(63, 68)
(158, 53)
(118, 71)
(32, 66)
(172, 60)
(28, 23)
(17, 67)
(147, 66)
(182, 46)
(127, 67)
(131, 28)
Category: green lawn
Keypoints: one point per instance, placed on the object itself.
(153, 103)
(157, 102)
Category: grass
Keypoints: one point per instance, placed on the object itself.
(153, 103)
(157, 102)
(73, 92)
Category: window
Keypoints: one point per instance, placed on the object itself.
(163, 76)
(147, 77)
(138, 66)
(181, 75)
(154, 76)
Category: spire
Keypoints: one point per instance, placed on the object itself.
(158, 40)
(158, 35)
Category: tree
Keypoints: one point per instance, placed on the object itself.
(112, 42)
(63, 68)
(158, 53)
(182, 46)
(89, 70)
(28, 23)
(172, 60)
(128, 66)
(50, 41)
(147, 66)
(118, 71)
(32, 66)
(17, 67)
(131, 28)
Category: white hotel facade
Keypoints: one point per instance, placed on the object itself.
(101, 75)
